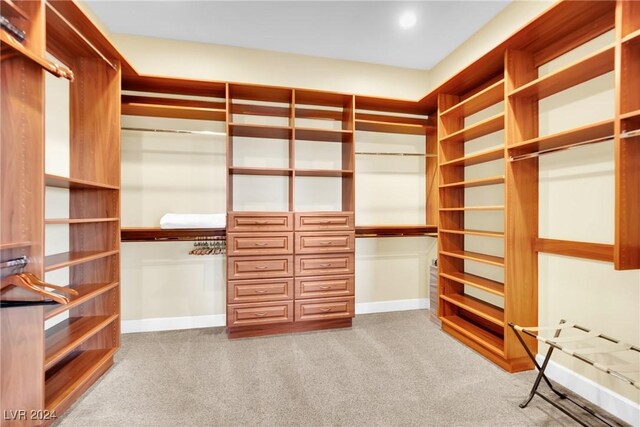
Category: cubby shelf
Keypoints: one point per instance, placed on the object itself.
(590, 67)
(482, 283)
(173, 108)
(260, 110)
(482, 233)
(482, 128)
(86, 293)
(473, 208)
(475, 256)
(474, 332)
(15, 245)
(324, 173)
(476, 306)
(389, 127)
(67, 259)
(237, 170)
(79, 220)
(630, 115)
(631, 37)
(563, 139)
(9, 8)
(260, 131)
(494, 180)
(476, 158)
(64, 337)
(62, 386)
(73, 183)
(324, 135)
(485, 98)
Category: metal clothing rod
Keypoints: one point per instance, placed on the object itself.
(182, 131)
(367, 153)
(630, 134)
(553, 150)
(18, 262)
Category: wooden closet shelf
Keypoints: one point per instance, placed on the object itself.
(474, 159)
(324, 173)
(475, 232)
(259, 110)
(15, 245)
(79, 220)
(324, 135)
(260, 131)
(631, 37)
(391, 119)
(145, 108)
(473, 208)
(73, 184)
(563, 139)
(476, 333)
(63, 386)
(236, 170)
(596, 251)
(316, 114)
(64, 337)
(149, 234)
(67, 259)
(476, 256)
(590, 67)
(8, 42)
(475, 182)
(476, 306)
(387, 127)
(478, 102)
(86, 292)
(479, 282)
(394, 230)
(630, 115)
(482, 128)
(10, 9)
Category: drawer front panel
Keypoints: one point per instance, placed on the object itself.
(327, 242)
(258, 267)
(324, 308)
(319, 265)
(241, 291)
(259, 244)
(259, 221)
(338, 221)
(259, 313)
(325, 286)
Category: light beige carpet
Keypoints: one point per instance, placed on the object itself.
(391, 369)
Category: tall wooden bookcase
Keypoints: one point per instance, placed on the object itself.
(509, 74)
(47, 368)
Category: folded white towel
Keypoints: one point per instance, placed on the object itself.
(171, 220)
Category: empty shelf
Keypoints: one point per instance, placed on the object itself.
(476, 306)
(474, 332)
(475, 182)
(478, 102)
(388, 127)
(590, 67)
(64, 337)
(475, 232)
(631, 36)
(79, 220)
(473, 208)
(325, 135)
(259, 131)
(485, 127)
(630, 115)
(85, 293)
(66, 259)
(172, 108)
(72, 183)
(476, 256)
(150, 234)
(235, 170)
(491, 286)
(474, 159)
(324, 172)
(14, 245)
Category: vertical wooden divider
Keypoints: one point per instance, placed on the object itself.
(348, 155)
(292, 152)
(229, 141)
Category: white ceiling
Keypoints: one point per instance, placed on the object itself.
(366, 31)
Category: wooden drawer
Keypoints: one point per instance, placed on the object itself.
(325, 286)
(258, 267)
(259, 221)
(319, 265)
(261, 313)
(259, 244)
(325, 242)
(319, 221)
(325, 308)
(240, 291)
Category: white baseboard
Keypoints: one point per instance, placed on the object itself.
(173, 323)
(394, 305)
(620, 406)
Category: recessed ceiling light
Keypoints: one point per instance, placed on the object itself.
(408, 19)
